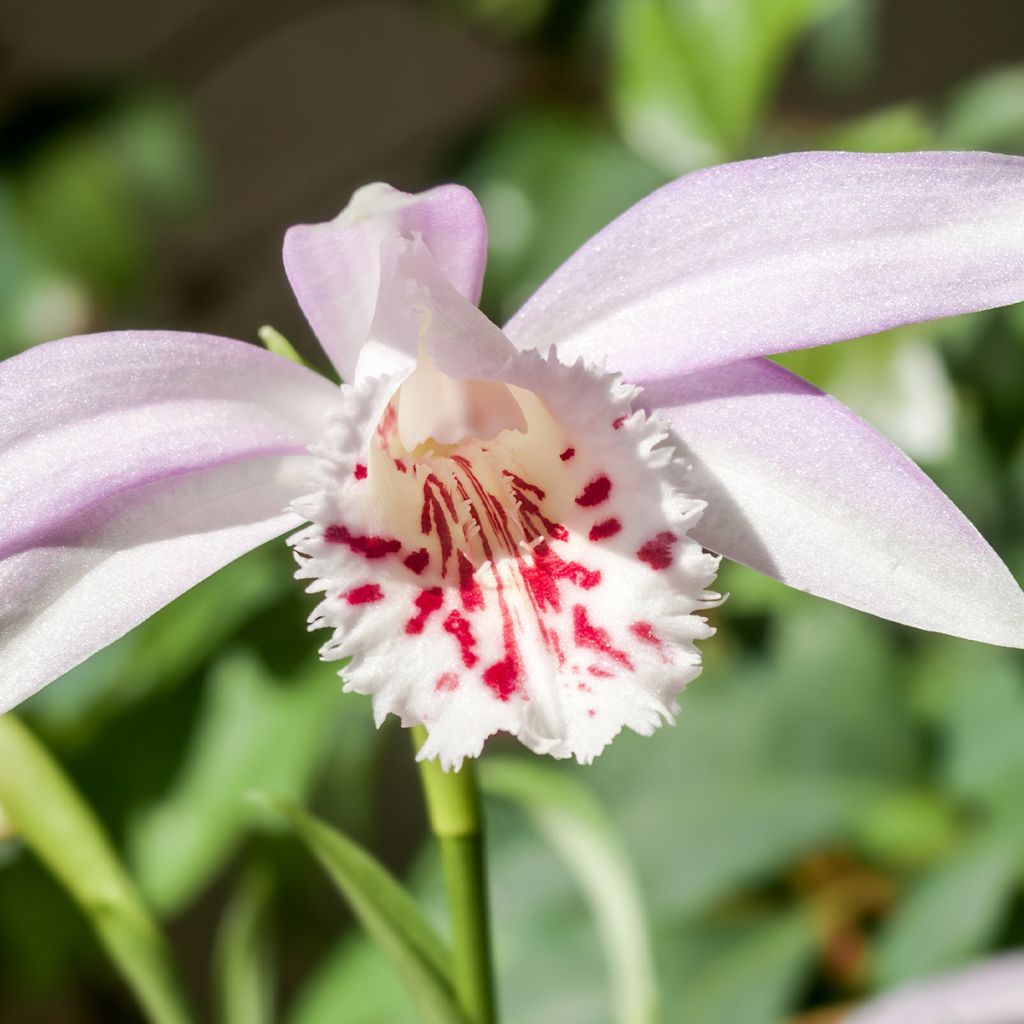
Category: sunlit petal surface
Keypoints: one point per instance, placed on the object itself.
(88, 580)
(132, 466)
(802, 489)
(786, 252)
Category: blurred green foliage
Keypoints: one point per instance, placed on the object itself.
(838, 808)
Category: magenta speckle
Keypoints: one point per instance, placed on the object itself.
(501, 678)
(595, 492)
(595, 638)
(645, 631)
(368, 593)
(447, 682)
(604, 529)
(567, 454)
(459, 627)
(359, 472)
(417, 561)
(369, 547)
(427, 603)
(657, 553)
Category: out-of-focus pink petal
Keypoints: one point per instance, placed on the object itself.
(335, 267)
(783, 253)
(802, 489)
(90, 579)
(84, 419)
(987, 993)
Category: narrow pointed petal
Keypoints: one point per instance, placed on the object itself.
(802, 489)
(87, 582)
(986, 993)
(131, 466)
(786, 252)
(335, 267)
(86, 418)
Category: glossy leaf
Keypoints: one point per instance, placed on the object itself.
(387, 911)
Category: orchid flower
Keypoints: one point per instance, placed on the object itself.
(512, 530)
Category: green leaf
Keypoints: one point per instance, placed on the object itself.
(244, 971)
(356, 975)
(952, 913)
(52, 818)
(547, 181)
(255, 732)
(986, 113)
(388, 913)
(691, 78)
(973, 693)
(890, 130)
(774, 755)
(753, 978)
(571, 820)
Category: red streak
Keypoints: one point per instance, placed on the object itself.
(502, 677)
(432, 514)
(645, 632)
(595, 492)
(400, 466)
(616, 424)
(427, 603)
(469, 590)
(605, 528)
(524, 485)
(595, 638)
(360, 471)
(368, 547)
(417, 561)
(459, 628)
(657, 553)
(601, 673)
(567, 454)
(366, 594)
(542, 578)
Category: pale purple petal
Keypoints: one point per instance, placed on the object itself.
(131, 466)
(86, 418)
(89, 580)
(987, 993)
(334, 268)
(782, 253)
(802, 489)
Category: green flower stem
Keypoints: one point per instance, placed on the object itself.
(453, 808)
(45, 810)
